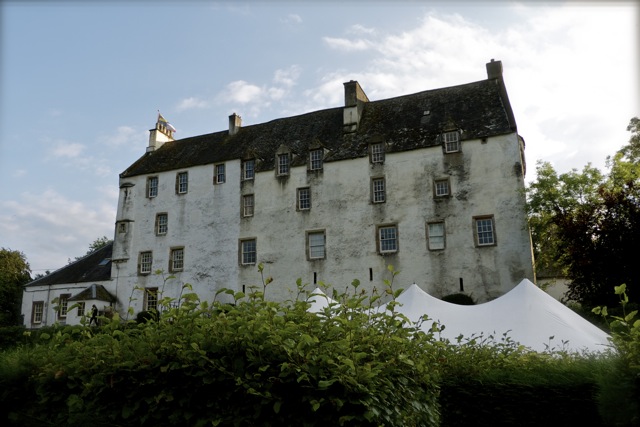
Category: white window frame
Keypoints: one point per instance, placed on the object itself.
(248, 205)
(377, 152)
(219, 176)
(182, 182)
(441, 188)
(316, 159)
(248, 251)
(37, 312)
(248, 169)
(176, 259)
(451, 141)
(316, 249)
(484, 230)
(63, 305)
(378, 190)
(152, 187)
(162, 224)
(436, 238)
(151, 299)
(303, 198)
(387, 235)
(145, 262)
(284, 164)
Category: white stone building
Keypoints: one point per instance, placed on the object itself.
(431, 183)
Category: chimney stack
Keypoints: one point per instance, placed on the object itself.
(235, 123)
(163, 132)
(494, 69)
(354, 100)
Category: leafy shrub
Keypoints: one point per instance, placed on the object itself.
(620, 394)
(253, 362)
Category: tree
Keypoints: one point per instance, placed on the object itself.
(587, 225)
(14, 274)
(100, 242)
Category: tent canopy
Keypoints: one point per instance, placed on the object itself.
(526, 314)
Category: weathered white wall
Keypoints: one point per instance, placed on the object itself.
(483, 182)
(48, 294)
(204, 221)
(207, 222)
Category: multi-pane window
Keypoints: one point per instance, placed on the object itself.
(435, 235)
(315, 159)
(81, 308)
(316, 244)
(145, 261)
(441, 187)
(377, 152)
(484, 230)
(283, 164)
(219, 177)
(387, 239)
(248, 169)
(451, 141)
(151, 299)
(152, 186)
(304, 198)
(162, 224)
(247, 205)
(63, 305)
(248, 251)
(176, 260)
(378, 190)
(37, 311)
(182, 182)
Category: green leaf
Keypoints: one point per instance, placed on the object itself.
(620, 289)
(629, 317)
(276, 406)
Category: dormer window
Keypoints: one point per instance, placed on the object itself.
(376, 152)
(283, 164)
(451, 141)
(315, 159)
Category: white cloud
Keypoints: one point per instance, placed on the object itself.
(292, 18)
(51, 228)
(191, 103)
(71, 150)
(257, 98)
(570, 72)
(360, 29)
(241, 92)
(123, 136)
(347, 45)
(72, 155)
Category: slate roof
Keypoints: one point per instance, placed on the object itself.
(95, 267)
(480, 109)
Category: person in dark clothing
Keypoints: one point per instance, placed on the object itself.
(94, 315)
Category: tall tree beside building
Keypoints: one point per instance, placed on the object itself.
(587, 225)
(14, 274)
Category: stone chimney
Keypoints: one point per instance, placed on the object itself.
(163, 132)
(235, 123)
(494, 69)
(354, 100)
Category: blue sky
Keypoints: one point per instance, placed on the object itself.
(81, 85)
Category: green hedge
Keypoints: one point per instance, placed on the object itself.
(252, 363)
(255, 362)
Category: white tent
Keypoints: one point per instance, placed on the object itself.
(318, 300)
(526, 313)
